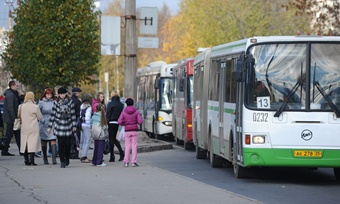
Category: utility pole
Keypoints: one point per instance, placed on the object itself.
(10, 5)
(130, 89)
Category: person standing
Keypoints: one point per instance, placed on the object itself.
(100, 99)
(76, 93)
(130, 119)
(98, 132)
(63, 121)
(85, 115)
(113, 111)
(29, 114)
(11, 104)
(45, 104)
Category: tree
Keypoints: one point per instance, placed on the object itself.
(206, 23)
(325, 15)
(54, 42)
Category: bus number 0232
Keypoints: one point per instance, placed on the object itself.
(260, 117)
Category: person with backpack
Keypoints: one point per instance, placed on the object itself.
(113, 111)
(99, 134)
(85, 117)
(63, 121)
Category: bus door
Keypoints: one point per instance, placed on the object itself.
(222, 85)
(240, 81)
(157, 84)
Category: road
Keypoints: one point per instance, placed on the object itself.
(267, 185)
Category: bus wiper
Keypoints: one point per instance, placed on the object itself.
(291, 93)
(329, 101)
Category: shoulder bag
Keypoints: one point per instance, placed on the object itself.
(17, 121)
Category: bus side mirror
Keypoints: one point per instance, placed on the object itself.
(157, 83)
(181, 85)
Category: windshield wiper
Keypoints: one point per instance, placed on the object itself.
(291, 93)
(329, 101)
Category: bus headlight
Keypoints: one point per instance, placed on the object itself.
(167, 123)
(259, 139)
(189, 125)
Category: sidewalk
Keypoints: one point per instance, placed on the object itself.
(86, 184)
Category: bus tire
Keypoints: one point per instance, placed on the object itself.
(216, 161)
(178, 141)
(240, 172)
(200, 153)
(337, 173)
(186, 145)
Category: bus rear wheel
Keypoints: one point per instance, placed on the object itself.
(200, 153)
(216, 161)
(337, 173)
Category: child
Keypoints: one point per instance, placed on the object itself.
(130, 118)
(99, 133)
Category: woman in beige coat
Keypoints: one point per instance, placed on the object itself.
(30, 115)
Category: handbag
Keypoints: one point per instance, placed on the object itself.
(121, 131)
(17, 121)
(107, 147)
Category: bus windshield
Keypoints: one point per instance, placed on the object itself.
(166, 93)
(190, 91)
(286, 77)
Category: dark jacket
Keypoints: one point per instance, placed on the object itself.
(129, 118)
(77, 104)
(1, 122)
(114, 109)
(11, 104)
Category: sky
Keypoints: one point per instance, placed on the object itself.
(172, 4)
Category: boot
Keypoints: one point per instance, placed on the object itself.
(112, 155)
(44, 150)
(121, 152)
(27, 162)
(54, 153)
(32, 159)
(121, 158)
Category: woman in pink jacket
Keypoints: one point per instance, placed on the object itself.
(130, 118)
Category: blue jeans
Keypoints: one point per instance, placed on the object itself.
(86, 140)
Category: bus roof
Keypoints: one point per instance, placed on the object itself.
(241, 45)
(156, 68)
(200, 58)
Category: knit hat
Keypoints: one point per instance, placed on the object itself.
(29, 96)
(129, 102)
(62, 90)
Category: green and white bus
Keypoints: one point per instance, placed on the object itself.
(269, 101)
(154, 98)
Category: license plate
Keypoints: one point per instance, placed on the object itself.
(307, 153)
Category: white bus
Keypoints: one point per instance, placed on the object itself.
(154, 98)
(269, 101)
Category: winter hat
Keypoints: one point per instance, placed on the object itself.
(76, 89)
(62, 90)
(29, 96)
(129, 102)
